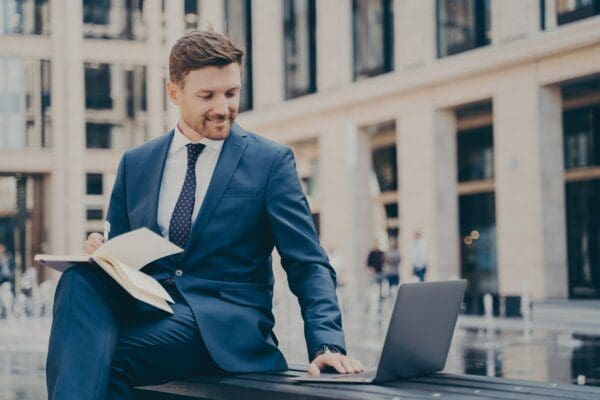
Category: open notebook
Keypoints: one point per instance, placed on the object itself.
(122, 258)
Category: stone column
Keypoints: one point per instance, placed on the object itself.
(67, 229)
(428, 188)
(514, 19)
(154, 70)
(267, 52)
(174, 30)
(334, 44)
(344, 169)
(414, 33)
(446, 239)
(530, 209)
(554, 230)
(212, 13)
(55, 183)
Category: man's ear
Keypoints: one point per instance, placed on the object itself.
(174, 92)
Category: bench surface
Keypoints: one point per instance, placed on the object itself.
(277, 385)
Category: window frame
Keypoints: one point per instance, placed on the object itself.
(387, 63)
(291, 91)
(479, 26)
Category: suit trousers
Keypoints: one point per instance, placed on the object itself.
(103, 342)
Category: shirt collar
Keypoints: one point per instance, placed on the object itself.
(180, 140)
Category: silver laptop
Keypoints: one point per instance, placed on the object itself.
(418, 337)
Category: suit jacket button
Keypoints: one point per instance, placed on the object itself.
(178, 272)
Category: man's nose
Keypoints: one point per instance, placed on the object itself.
(220, 107)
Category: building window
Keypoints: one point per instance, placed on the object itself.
(583, 238)
(372, 37)
(190, 14)
(392, 220)
(21, 221)
(115, 98)
(300, 48)
(94, 189)
(462, 25)
(386, 168)
(475, 154)
(24, 17)
(94, 184)
(310, 178)
(581, 141)
(477, 216)
(98, 86)
(542, 14)
(97, 136)
(238, 21)
(94, 214)
(106, 19)
(582, 137)
(306, 153)
(25, 88)
(382, 184)
(574, 10)
(135, 81)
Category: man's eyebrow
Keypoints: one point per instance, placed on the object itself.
(210, 91)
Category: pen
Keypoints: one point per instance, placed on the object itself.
(106, 230)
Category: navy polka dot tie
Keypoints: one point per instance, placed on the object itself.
(181, 220)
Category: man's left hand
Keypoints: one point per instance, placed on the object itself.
(341, 363)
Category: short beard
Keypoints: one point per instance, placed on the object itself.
(215, 133)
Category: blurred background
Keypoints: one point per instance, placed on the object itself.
(465, 133)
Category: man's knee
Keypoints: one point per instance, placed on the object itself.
(70, 277)
(76, 273)
(83, 279)
(81, 275)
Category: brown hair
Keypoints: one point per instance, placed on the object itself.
(198, 49)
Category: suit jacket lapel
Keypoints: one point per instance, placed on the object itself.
(157, 160)
(231, 152)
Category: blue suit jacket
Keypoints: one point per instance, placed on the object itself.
(254, 202)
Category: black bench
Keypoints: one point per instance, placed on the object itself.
(435, 386)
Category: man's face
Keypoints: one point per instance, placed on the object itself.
(209, 100)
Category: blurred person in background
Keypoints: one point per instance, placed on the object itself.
(392, 260)
(7, 264)
(419, 256)
(375, 262)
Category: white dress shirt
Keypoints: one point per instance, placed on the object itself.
(419, 253)
(174, 175)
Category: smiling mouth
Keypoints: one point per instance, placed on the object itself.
(217, 121)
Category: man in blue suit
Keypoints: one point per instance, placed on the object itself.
(226, 196)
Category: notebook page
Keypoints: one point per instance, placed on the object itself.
(137, 248)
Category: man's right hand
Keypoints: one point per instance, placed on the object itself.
(93, 241)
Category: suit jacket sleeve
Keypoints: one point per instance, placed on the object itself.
(310, 276)
(117, 215)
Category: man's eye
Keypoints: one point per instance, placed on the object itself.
(230, 94)
(206, 97)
